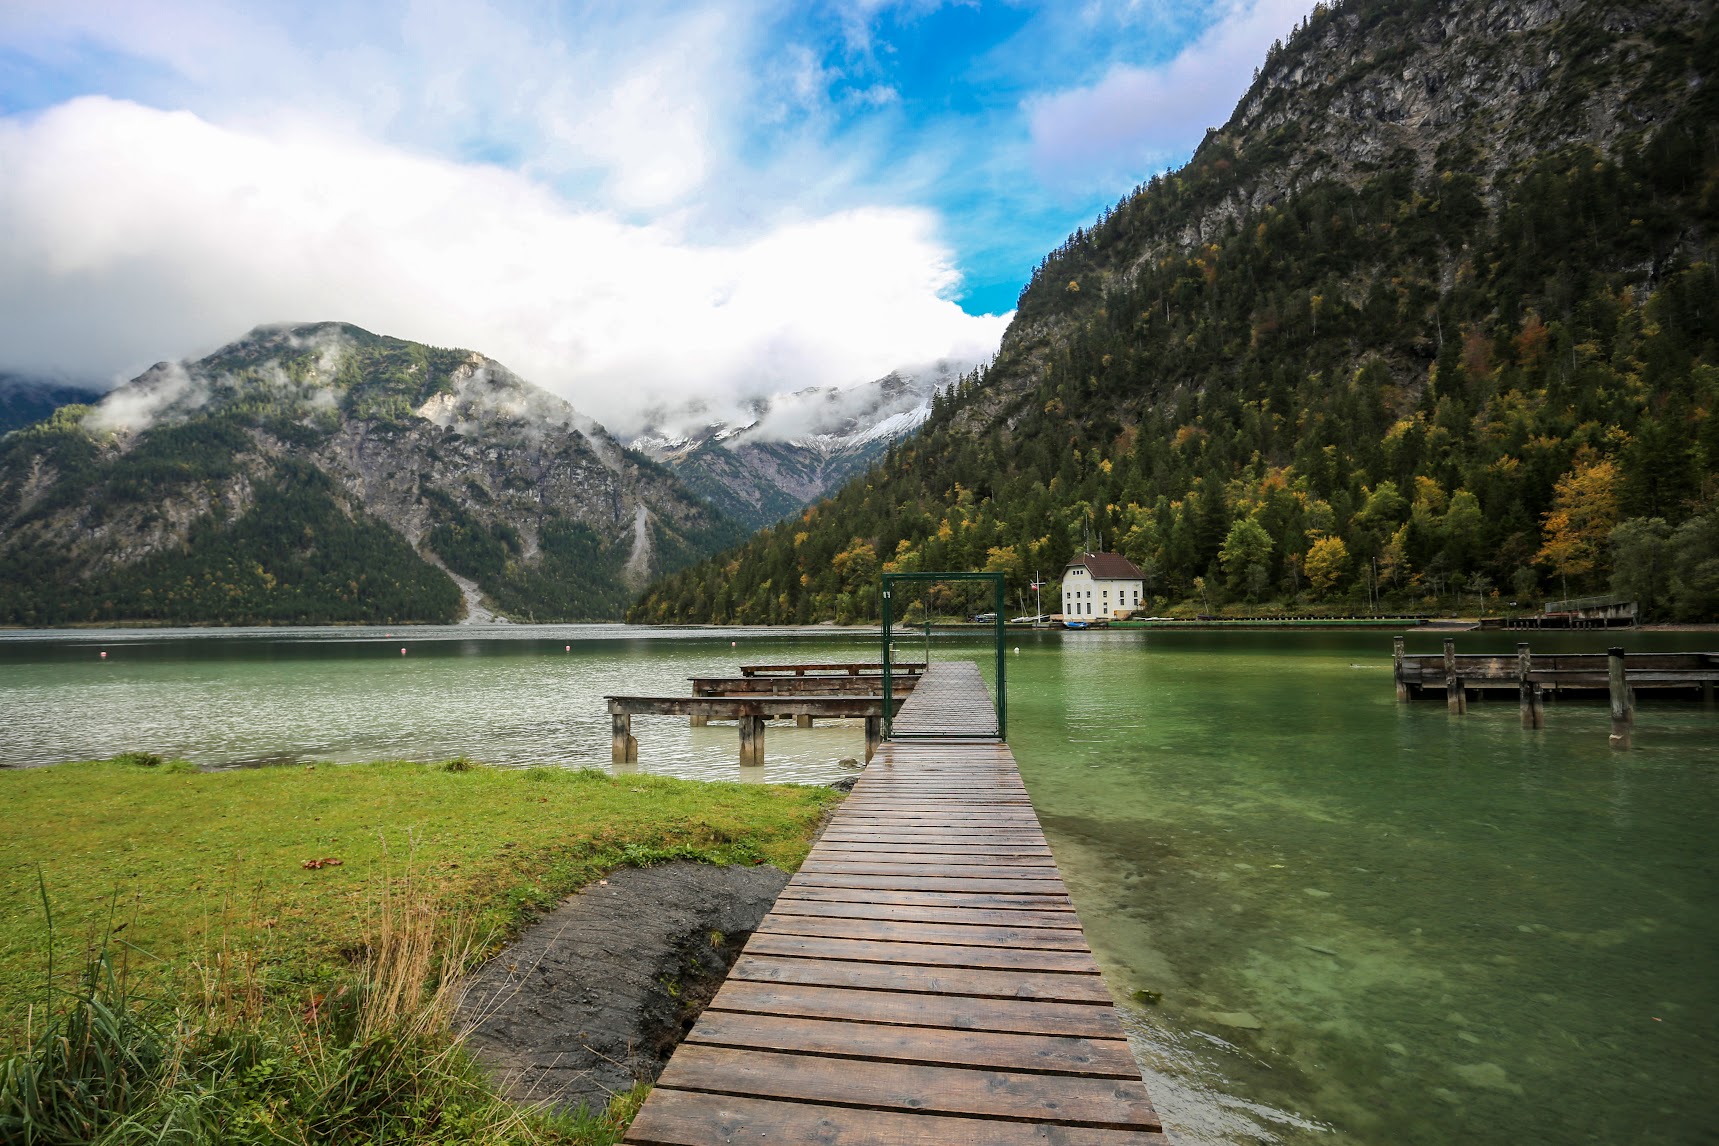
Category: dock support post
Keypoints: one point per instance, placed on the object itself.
(626, 748)
(873, 736)
(1397, 668)
(1623, 712)
(1455, 696)
(751, 740)
(1707, 695)
(1527, 692)
(803, 720)
(698, 721)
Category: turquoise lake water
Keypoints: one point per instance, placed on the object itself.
(1363, 921)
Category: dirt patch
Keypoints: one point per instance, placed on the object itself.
(596, 995)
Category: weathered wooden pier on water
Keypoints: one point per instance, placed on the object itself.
(765, 692)
(923, 978)
(1458, 677)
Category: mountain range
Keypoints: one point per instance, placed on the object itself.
(321, 473)
(421, 484)
(789, 450)
(1436, 310)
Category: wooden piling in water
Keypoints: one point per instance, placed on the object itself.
(625, 749)
(752, 741)
(1528, 694)
(1623, 708)
(1397, 668)
(803, 720)
(1455, 696)
(873, 736)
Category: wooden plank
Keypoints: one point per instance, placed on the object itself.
(917, 854)
(913, 1088)
(851, 866)
(900, 857)
(930, 883)
(837, 833)
(923, 954)
(959, 1012)
(849, 909)
(1002, 1050)
(730, 707)
(977, 982)
(998, 901)
(1020, 851)
(691, 1118)
(962, 934)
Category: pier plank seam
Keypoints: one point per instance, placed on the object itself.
(922, 979)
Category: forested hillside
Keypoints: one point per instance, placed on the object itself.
(321, 474)
(1437, 311)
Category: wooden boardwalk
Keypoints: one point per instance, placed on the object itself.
(952, 702)
(922, 980)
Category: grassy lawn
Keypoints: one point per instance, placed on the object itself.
(187, 857)
(201, 871)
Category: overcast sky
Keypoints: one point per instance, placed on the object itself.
(628, 202)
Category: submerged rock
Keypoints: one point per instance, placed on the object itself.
(1487, 1076)
(1240, 1020)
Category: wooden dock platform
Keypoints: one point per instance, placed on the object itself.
(923, 978)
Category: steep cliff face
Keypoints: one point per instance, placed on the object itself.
(1464, 91)
(438, 468)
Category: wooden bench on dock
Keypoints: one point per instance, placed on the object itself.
(851, 668)
(923, 979)
(822, 684)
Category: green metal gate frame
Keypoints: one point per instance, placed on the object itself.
(890, 580)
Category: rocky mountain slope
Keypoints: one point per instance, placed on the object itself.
(323, 473)
(1436, 310)
(792, 449)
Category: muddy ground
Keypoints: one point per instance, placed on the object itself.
(597, 994)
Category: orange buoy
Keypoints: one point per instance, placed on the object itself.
(104, 654)
(402, 652)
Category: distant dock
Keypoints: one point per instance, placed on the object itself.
(1458, 678)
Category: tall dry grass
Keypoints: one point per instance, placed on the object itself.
(368, 1058)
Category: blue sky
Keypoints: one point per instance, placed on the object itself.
(634, 204)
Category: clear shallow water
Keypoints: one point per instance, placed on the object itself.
(1368, 922)
(1371, 922)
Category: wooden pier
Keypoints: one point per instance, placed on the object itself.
(750, 711)
(923, 978)
(1458, 677)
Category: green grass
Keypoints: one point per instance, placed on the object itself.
(207, 986)
(192, 857)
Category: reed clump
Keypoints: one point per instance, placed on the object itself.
(368, 1057)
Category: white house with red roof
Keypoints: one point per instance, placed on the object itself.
(1100, 586)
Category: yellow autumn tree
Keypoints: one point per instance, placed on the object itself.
(1584, 511)
(1327, 561)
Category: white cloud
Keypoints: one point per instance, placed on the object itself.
(129, 234)
(1137, 119)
